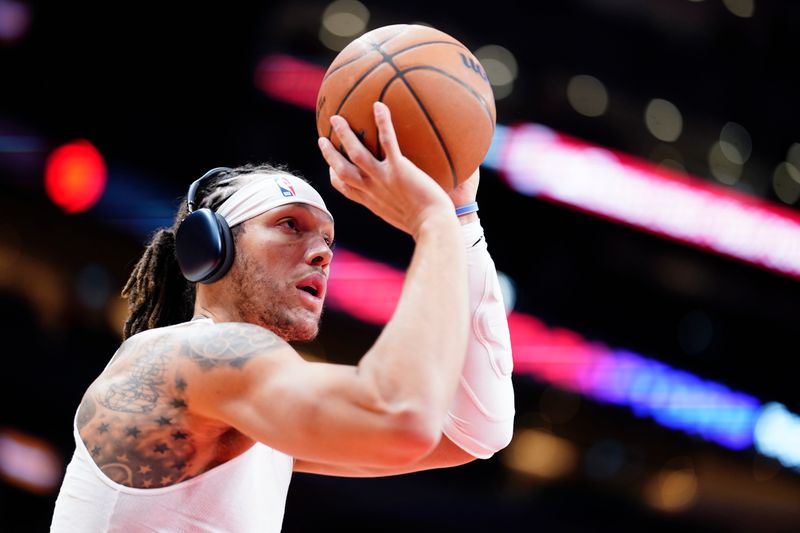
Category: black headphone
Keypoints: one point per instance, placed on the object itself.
(203, 242)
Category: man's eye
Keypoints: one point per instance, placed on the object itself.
(290, 223)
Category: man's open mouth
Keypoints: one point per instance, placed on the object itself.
(314, 285)
(310, 290)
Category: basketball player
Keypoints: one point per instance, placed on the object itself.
(201, 416)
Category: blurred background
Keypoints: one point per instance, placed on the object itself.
(639, 199)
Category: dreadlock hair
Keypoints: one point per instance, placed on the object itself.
(158, 294)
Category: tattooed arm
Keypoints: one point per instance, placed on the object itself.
(320, 413)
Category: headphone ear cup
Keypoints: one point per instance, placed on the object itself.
(204, 246)
(228, 250)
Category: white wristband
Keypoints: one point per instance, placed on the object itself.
(481, 418)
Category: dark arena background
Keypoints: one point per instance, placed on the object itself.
(640, 200)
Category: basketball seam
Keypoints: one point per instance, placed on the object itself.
(386, 59)
(399, 75)
(377, 46)
(362, 55)
(350, 91)
(426, 43)
(466, 86)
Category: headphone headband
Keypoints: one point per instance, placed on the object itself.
(214, 172)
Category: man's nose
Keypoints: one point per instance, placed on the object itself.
(319, 254)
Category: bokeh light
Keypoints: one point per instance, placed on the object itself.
(740, 8)
(786, 183)
(15, 19)
(777, 434)
(501, 68)
(29, 462)
(735, 143)
(342, 21)
(721, 167)
(663, 119)
(587, 95)
(540, 454)
(75, 176)
(675, 487)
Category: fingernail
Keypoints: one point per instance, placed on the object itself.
(321, 143)
(337, 121)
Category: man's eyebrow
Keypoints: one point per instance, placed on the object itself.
(309, 208)
(328, 225)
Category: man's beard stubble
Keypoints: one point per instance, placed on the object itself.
(251, 284)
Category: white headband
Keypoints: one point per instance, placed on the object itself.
(261, 195)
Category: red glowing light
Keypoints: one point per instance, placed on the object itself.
(75, 176)
(291, 80)
(366, 289)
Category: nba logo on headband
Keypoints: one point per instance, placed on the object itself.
(285, 186)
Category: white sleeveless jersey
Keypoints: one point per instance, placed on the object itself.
(243, 495)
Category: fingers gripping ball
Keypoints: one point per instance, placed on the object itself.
(439, 95)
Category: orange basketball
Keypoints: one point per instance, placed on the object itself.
(439, 95)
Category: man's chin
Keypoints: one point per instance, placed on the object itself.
(304, 330)
(305, 338)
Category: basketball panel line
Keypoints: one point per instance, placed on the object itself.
(427, 43)
(399, 75)
(462, 83)
(350, 62)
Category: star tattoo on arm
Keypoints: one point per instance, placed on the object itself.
(178, 403)
(160, 448)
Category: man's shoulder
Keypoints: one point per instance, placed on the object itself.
(152, 341)
(200, 343)
(227, 343)
(201, 331)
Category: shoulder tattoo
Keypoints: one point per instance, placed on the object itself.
(86, 411)
(141, 388)
(229, 344)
